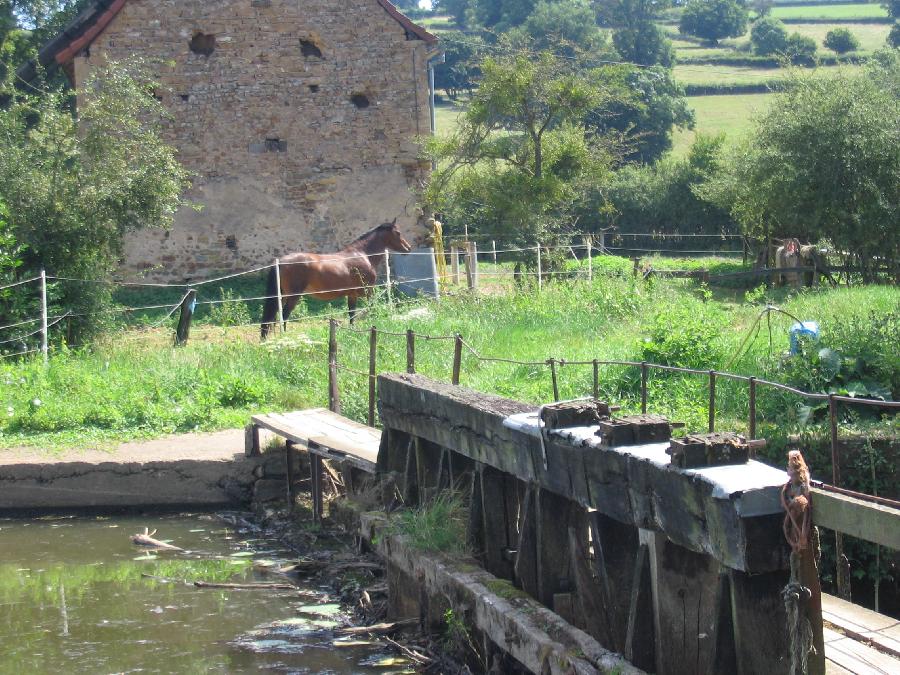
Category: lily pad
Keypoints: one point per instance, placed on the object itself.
(328, 609)
(243, 554)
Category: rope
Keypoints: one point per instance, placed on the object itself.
(20, 283)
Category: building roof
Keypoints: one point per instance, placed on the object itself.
(82, 30)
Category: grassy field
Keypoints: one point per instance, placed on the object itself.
(731, 115)
(871, 36)
(831, 11)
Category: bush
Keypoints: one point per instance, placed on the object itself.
(800, 48)
(713, 19)
(768, 36)
(893, 38)
(686, 336)
(841, 40)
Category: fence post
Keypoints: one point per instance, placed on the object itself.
(590, 261)
(553, 379)
(469, 265)
(410, 350)
(457, 358)
(387, 280)
(842, 577)
(44, 337)
(494, 251)
(643, 386)
(712, 401)
(334, 396)
(596, 379)
(636, 267)
(473, 246)
(183, 331)
(373, 344)
(752, 431)
(454, 264)
(602, 241)
(278, 291)
(539, 272)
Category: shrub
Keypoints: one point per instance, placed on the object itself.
(893, 38)
(230, 310)
(800, 48)
(768, 36)
(687, 336)
(841, 40)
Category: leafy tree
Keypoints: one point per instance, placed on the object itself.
(761, 7)
(458, 10)
(768, 36)
(892, 7)
(569, 24)
(459, 71)
(713, 19)
(521, 158)
(823, 162)
(636, 36)
(893, 38)
(501, 15)
(841, 40)
(800, 48)
(73, 188)
(648, 104)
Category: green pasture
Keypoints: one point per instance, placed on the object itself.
(871, 36)
(728, 114)
(739, 75)
(831, 11)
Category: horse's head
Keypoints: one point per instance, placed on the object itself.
(393, 239)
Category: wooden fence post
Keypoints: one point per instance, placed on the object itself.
(596, 379)
(752, 426)
(44, 337)
(334, 396)
(278, 291)
(553, 379)
(539, 272)
(471, 261)
(373, 344)
(712, 401)
(410, 350)
(457, 358)
(590, 261)
(643, 386)
(187, 314)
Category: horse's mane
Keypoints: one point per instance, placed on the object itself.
(368, 233)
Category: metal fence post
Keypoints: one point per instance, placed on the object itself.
(752, 429)
(539, 271)
(494, 251)
(44, 337)
(843, 567)
(373, 344)
(278, 291)
(712, 401)
(334, 396)
(596, 379)
(457, 358)
(590, 261)
(643, 386)
(410, 351)
(387, 280)
(454, 264)
(553, 378)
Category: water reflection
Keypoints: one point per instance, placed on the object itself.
(77, 597)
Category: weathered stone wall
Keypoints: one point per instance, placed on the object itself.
(300, 125)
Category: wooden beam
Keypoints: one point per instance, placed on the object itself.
(865, 520)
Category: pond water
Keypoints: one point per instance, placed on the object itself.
(76, 596)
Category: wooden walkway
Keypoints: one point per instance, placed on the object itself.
(325, 435)
(858, 640)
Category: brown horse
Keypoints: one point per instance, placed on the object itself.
(349, 272)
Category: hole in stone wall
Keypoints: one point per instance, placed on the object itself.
(276, 145)
(314, 88)
(185, 97)
(203, 43)
(360, 100)
(231, 242)
(310, 48)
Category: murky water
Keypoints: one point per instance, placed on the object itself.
(76, 596)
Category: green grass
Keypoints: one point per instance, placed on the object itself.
(871, 36)
(728, 114)
(831, 11)
(446, 115)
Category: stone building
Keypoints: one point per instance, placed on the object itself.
(299, 119)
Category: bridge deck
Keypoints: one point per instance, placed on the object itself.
(858, 640)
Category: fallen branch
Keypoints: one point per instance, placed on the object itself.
(247, 586)
(146, 539)
(378, 628)
(410, 653)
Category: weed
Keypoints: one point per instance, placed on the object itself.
(437, 526)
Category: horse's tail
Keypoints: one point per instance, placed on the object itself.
(270, 308)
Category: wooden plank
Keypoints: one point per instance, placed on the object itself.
(640, 634)
(862, 624)
(857, 657)
(865, 520)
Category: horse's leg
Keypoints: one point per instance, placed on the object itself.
(351, 307)
(287, 307)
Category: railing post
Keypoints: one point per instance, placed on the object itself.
(387, 280)
(494, 251)
(410, 351)
(596, 379)
(182, 332)
(44, 337)
(842, 576)
(470, 265)
(454, 264)
(553, 378)
(278, 291)
(334, 396)
(540, 273)
(457, 358)
(712, 401)
(590, 261)
(643, 386)
(373, 344)
(752, 429)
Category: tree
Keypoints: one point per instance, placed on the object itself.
(768, 36)
(458, 10)
(501, 15)
(648, 104)
(73, 188)
(713, 20)
(569, 25)
(521, 157)
(892, 7)
(459, 71)
(636, 36)
(823, 162)
(841, 40)
(800, 48)
(893, 38)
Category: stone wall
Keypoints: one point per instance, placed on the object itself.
(298, 119)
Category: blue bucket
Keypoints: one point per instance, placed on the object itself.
(808, 329)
